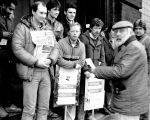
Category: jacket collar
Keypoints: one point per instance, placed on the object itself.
(28, 22)
(99, 42)
(130, 39)
(77, 42)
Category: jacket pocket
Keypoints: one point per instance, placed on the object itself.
(24, 72)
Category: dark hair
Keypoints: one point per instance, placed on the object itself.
(107, 31)
(35, 5)
(52, 4)
(70, 5)
(7, 3)
(139, 23)
(96, 22)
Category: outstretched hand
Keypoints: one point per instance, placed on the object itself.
(88, 74)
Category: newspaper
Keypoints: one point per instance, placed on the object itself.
(94, 93)
(44, 41)
(3, 42)
(90, 63)
(66, 87)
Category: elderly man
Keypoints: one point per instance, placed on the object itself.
(128, 74)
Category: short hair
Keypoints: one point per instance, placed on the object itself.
(74, 24)
(96, 22)
(139, 23)
(52, 4)
(7, 3)
(70, 5)
(35, 5)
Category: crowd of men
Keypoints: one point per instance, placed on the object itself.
(121, 54)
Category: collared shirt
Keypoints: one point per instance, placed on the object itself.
(70, 21)
(93, 38)
(76, 43)
(91, 35)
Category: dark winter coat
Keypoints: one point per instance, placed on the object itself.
(95, 52)
(129, 78)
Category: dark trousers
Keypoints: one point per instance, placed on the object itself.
(5, 82)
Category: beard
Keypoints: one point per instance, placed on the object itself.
(119, 41)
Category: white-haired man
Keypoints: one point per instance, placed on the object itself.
(128, 74)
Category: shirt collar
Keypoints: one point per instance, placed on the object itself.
(91, 35)
(129, 40)
(69, 21)
(76, 44)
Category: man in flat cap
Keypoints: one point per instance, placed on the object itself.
(128, 75)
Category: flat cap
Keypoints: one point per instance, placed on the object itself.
(122, 24)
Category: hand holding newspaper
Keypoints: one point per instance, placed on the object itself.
(43, 63)
(92, 67)
(90, 63)
(44, 41)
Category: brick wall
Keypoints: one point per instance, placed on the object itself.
(146, 13)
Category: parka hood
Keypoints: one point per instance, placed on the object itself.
(26, 20)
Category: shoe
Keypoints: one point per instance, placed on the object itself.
(3, 113)
(52, 114)
(13, 109)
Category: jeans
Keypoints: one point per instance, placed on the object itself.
(118, 116)
(36, 95)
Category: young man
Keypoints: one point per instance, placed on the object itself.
(7, 9)
(53, 7)
(128, 74)
(94, 48)
(72, 53)
(31, 69)
(70, 14)
(142, 37)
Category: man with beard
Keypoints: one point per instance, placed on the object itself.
(140, 33)
(128, 74)
(94, 48)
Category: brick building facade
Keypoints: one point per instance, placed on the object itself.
(145, 13)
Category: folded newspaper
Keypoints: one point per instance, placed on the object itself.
(44, 41)
(90, 63)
